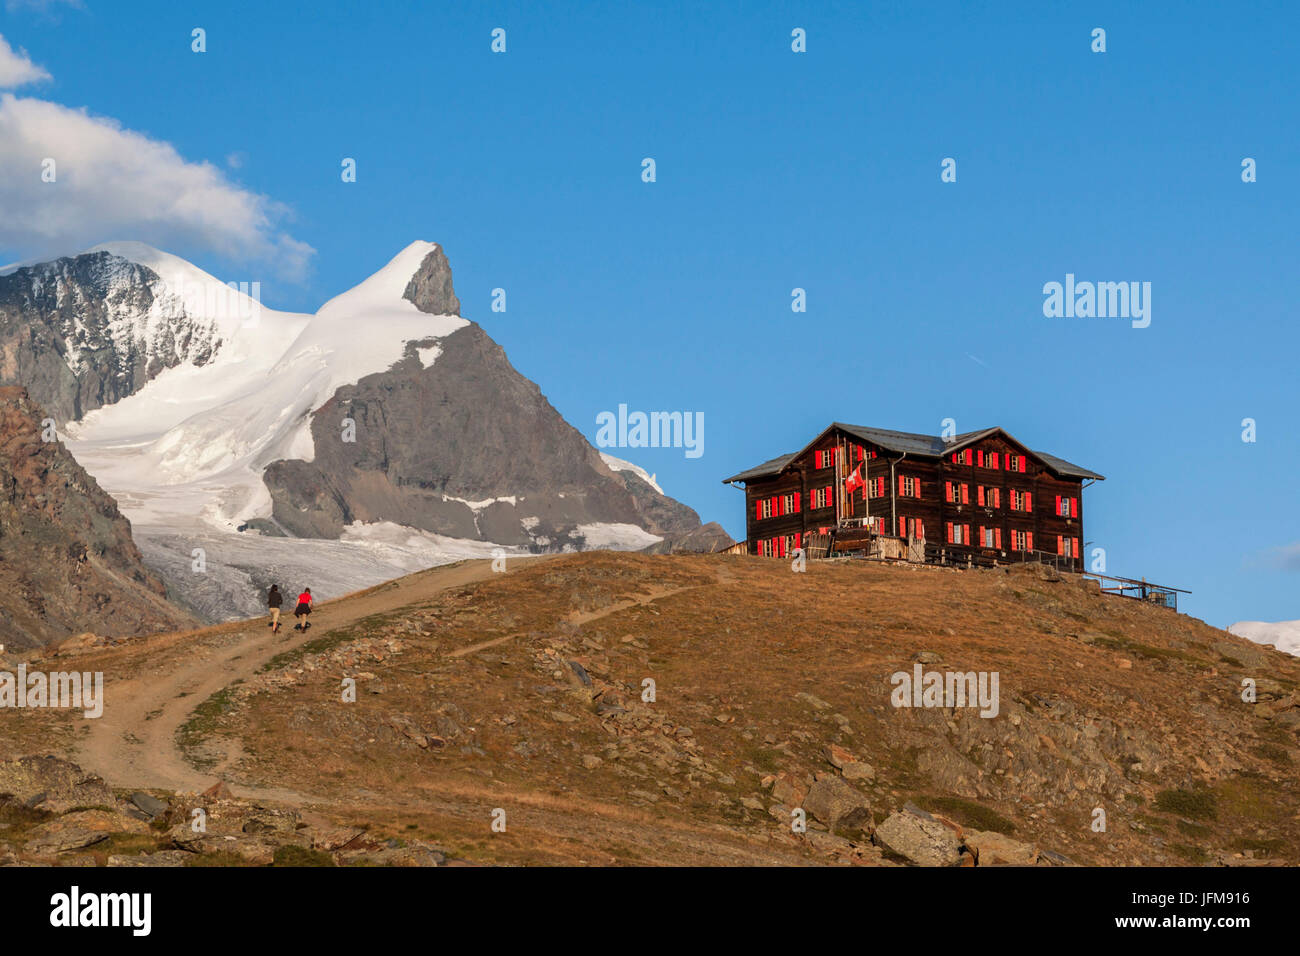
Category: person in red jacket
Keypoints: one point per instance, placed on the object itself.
(302, 610)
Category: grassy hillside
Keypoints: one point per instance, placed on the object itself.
(523, 692)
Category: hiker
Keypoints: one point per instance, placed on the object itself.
(302, 610)
(274, 601)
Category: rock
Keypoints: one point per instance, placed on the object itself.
(331, 837)
(1124, 664)
(816, 702)
(591, 761)
(562, 717)
(580, 672)
(752, 803)
(925, 842)
(218, 791)
(996, 849)
(838, 756)
(148, 804)
(838, 805)
(161, 858)
(927, 657)
(82, 828)
(788, 789)
(859, 771)
(1049, 858)
(430, 289)
(49, 783)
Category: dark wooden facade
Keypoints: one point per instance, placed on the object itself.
(982, 495)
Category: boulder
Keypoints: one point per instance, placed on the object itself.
(788, 789)
(996, 849)
(925, 842)
(842, 807)
(73, 831)
(148, 804)
(49, 783)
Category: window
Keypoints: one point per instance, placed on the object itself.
(1016, 463)
(789, 504)
(1021, 501)
(994, 459)
(909, 487)
(820, 497)
(911, 528)
(876, 487)
(765, 508)
(1019, 541)
(956, 493)
(824, 458)
(991, 537)
(1066, 547)
(958, 533)
(1067, 507)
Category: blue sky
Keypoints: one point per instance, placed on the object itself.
(778, 170)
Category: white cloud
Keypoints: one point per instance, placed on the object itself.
(41, 6)
(112, 183)
(16, 69)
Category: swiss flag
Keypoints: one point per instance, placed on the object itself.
(853, 481)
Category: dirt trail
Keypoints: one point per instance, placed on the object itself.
(134, 743)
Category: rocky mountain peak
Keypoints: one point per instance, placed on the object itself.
(430, 289)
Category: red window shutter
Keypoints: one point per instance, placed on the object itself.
(997, 538)
(798, 539)
(1058, 504)
(948, 529)
(965, 534)
(798, 499)
(1077, 552)
(1060, 544)
(1029, 501)
(965, 494)
(979, 457)
(947, 491)
(979, 495)
(916, 487)
(1074, 507)
(1029, 541)
(758, 509)
(1013, 541)
(900, 484)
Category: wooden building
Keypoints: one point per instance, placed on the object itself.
(977, 497)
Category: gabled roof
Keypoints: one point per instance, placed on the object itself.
(930, 446)
(773, 467)
(910, 443)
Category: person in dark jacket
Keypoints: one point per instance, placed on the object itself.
(274, 601)
(302, 610)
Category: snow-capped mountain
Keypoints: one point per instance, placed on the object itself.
(1284, 635)
(384, 426)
